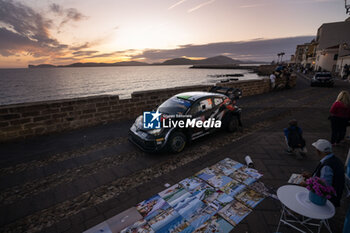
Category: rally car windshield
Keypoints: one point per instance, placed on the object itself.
(174, 106)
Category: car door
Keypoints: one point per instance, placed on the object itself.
(201, 110)
(218, 109)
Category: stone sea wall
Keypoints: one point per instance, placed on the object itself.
(20, 121)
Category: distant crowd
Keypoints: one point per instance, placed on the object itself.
(279, 73)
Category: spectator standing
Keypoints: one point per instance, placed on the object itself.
(346, 71)
(273, 81)
(340, 115)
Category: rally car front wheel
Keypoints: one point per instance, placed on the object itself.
(177, 142)
(233, 124)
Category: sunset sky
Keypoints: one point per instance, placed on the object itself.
(66, 31)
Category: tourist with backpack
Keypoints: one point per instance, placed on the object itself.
(294, 139)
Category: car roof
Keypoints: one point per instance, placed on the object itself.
(195, 95)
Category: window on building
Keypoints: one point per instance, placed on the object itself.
(335, 57)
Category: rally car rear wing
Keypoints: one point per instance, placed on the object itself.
(232, 93)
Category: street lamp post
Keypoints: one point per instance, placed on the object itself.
(347, 6)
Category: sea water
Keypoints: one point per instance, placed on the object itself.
(41, 84)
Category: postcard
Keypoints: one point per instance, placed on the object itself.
(242, 177)
(217, 169)
(234, 212)
(174, 194)
(222, 169)
(138, 227)
(218, 200)
(166, 221)
(201, 216)
(191, 184)
(296, 179)
(188, 206)
(184, 227)
(252, 172)
(219, 181)
(203, 191)
(233, 188)
(205, 174)
(228, 166)
(148, 208)
(250, 197)
(261, 188)
(215, 224)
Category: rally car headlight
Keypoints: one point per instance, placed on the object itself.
(155, 132)
(138, 121)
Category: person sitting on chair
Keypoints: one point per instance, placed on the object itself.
(330, 169)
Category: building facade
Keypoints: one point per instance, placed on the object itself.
(305, 54)
(330, 51)
(332, 39)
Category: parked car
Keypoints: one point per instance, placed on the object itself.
(322, 79)
(219, 104)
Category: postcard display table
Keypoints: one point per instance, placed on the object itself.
(296, 199)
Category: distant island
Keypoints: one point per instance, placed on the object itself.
(218, 60)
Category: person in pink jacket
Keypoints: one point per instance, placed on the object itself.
(340, 116)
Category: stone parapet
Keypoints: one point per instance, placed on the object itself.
(31, 119)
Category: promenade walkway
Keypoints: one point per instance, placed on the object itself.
(72, 181)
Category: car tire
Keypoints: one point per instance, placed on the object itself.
(177, 142)
(232, 124)
(312, 85)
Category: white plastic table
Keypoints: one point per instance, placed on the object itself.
(296, 199)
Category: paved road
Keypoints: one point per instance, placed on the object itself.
(71, 181)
